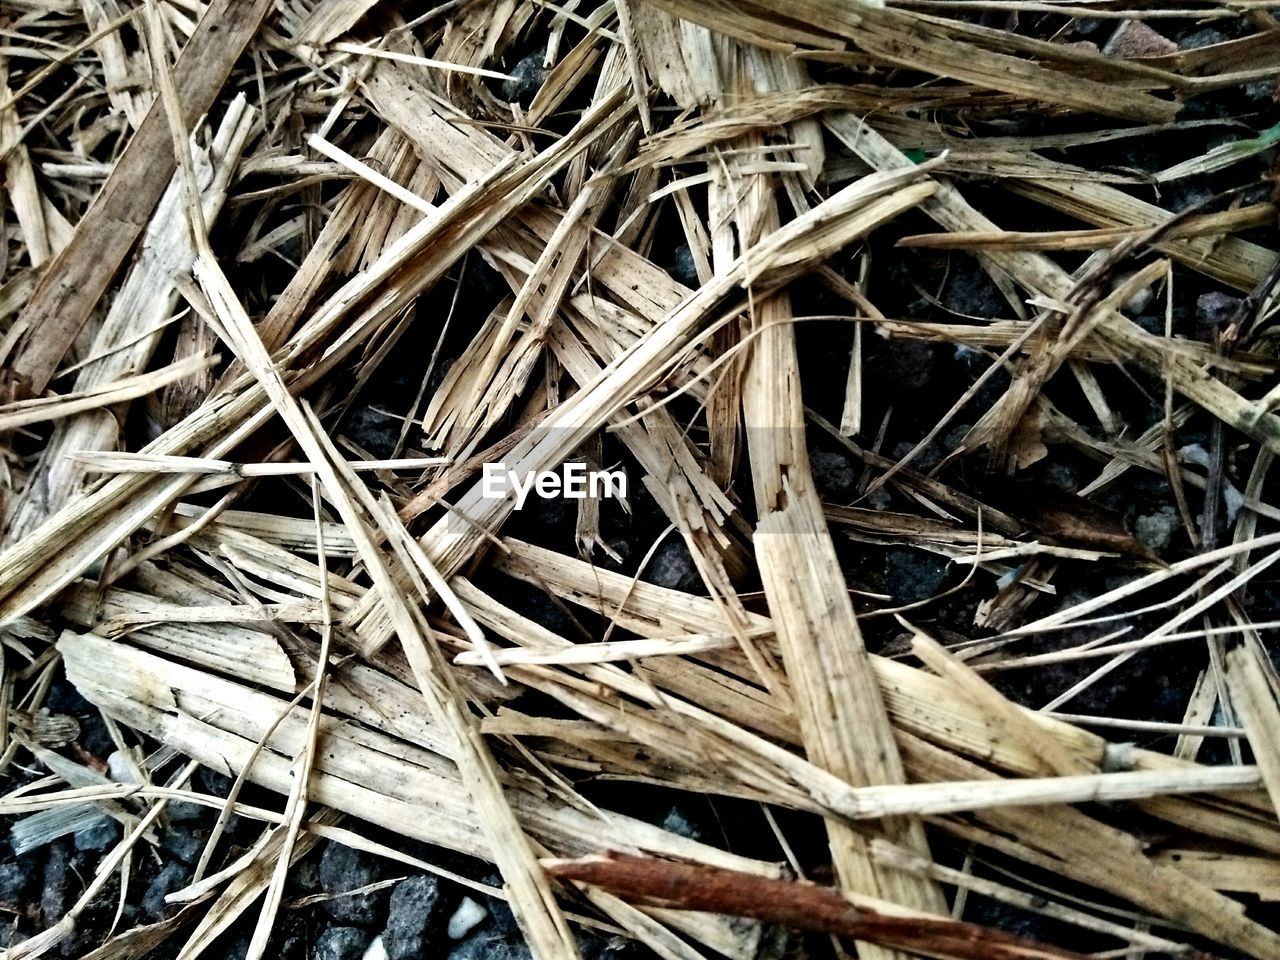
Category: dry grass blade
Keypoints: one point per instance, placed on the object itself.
(76, 280)
(799, 905)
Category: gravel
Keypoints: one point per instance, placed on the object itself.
(971, 293)
(414, 913)
(676, 822)
(172, 876)
(55, 894)
(1213, 312)
(341, 943)
(15, 883)
(835, 476)
(487, 945)
(342, 869)
(101, 835)
(672, 566)
(183, 844)
(913, 575)
(1157, 530)
(527, 76)
(469, 915)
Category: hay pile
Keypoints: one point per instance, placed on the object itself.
(228, 225)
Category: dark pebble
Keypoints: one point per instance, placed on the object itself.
(683, 268)
(676, 822)
(306, 875)
(183, 844)
(57, 877)
(502, 922)
(101, 835)
(173, 876)
(341, 943)
(834, 474)
(1157, 530)
(374, 431)
(528, 75)
(184, 811)
(1183, 194)
(15, 882)
(1214, 311)
(1261, 92)
(913, 575)
(213, 782)
(415, 912)
(924, 461)
(905, 365)
(1202, 38)
(971, 293)
(343, 868)
(488, 945)
(672, 566)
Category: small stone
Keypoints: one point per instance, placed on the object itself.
(15, 881)
(342, 869)
(490, 946)
(1089, 26)
(1214, 311)
(376, 951)
(414, 910)
(1141, 297)
(676, 822)
(183, 844)
(878, 499)
(53, 896)
(184, 811)
(835, 476)
(341, 943)
(172, 876)
(905, 365)
(373, 430)
(970, 292)
(928, 458)
(1151, 323)
(119, 769)
(218, 784)
(913, 575)
(1183, 194)
(953, 439)
(502, 920)
(683, 267)
(466, 918)
(1156, 530)
(1262, 92)
(527, 77)
(1061, 475)
(1202, 38)
(306, 875)
(672, 566)
(1134, 40)
(101, 835)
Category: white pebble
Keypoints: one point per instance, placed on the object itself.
(118, 768)
(375, 951)
(1233, 499)
(464, 919)
(1138, 302)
